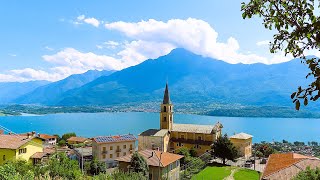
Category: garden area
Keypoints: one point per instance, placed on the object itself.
(226, 172)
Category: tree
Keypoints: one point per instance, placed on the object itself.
(224, 149)
(68, 135)
(139, 164)
(193, 152)
(97, 167)
(297, 30)
(185, 153)
(308, 174)
(62, 142)
(59, 165)
(266, 150)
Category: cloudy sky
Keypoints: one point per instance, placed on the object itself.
(50, 40)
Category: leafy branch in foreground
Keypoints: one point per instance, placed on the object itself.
(297, 30)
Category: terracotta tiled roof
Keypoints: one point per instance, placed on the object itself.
(13, 141)
(118, 138)
(153, 158)
(77, 139)
(278, 162)
(46, 136)
(241, 136)
(38, 155)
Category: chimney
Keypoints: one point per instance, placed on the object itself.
(1, 131)
(33, 133)
(29, 135)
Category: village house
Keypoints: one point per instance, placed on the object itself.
(162, 165)
(78, 140)
(48, 139)
(172, 136)
(14, 147)
(83, 154)
(108, 148)
(287, 165)
(243, 142)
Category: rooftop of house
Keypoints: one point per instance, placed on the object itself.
(241, 136)
(39, 155)
(14, 141)
(84, 151)
(77, 139)
(195, 128)
(155, 132)
(153, 158)
(117, 138)
(278, 162)
(46, 136)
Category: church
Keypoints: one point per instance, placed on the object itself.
(172, 136)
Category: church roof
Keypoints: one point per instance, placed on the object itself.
(154, 132)
(241, 136)
(194, 128)
(166, 97)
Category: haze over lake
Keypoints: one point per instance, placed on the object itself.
(95, 124)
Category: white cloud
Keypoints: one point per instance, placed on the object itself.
(82, 19)
(263, 43)
(192, 34)
(48, 48)
(12, 55)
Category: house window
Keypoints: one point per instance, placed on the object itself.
(118, 154)
(104, 149)
(22, 151)
(124, 146)
(111, 147)
(111, 156)
(130, 146)
(182, 136)
(197, 146)
(103, 156)
(150, 176)
(164, 119)
(177, 163)
(199, 138)
(124, 153)
(170, 167)
(4, 157)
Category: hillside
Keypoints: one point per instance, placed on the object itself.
(52, 93)
(193, 78)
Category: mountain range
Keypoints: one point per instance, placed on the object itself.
(192, 79)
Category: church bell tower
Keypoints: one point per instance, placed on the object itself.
(166, 112)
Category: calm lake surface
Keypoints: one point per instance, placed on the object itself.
(95, 124)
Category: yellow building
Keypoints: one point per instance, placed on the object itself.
(243, 142)
(198, 137)
(14, 147)
(108, 148)
(162, 165)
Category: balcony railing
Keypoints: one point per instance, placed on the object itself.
(118, 150)
(104, 152)
(191, 141)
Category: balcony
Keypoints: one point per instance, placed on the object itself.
(191, 141)
(104, 152)
(118, 150)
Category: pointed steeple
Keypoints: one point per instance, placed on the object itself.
(166, 97)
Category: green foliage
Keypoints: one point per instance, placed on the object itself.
(59, 165)
(184, 152)
(224, 149)
(97, 167)
(68, 135)
(62, 142)
(308, 174)
(11, 171)
(298, 143)
(265, 150)
(193, 152)
(139, 164)
(298, 30)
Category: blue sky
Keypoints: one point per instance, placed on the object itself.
(49, 40)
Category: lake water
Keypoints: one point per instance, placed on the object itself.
(95, 124)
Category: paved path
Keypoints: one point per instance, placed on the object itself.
(230, 177)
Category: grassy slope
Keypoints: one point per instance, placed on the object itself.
(246, 174)
(213, 173)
